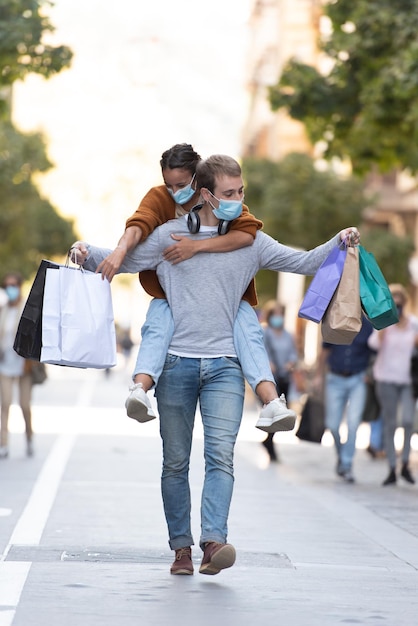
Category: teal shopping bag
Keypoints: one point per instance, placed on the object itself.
(375, 296)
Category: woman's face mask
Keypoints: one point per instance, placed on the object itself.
(183, 195)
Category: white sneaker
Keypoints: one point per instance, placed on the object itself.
(275, 416)
(138, 405)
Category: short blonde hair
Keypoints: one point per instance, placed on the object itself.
(214, 167)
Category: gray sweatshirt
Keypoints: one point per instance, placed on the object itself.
(204, 292)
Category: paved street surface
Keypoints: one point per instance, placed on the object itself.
(83, 539)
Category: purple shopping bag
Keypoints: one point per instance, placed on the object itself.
(323, 285)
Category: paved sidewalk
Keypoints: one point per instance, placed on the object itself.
(311, 549)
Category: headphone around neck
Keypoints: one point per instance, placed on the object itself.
(193, 221)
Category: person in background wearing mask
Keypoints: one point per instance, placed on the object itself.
(13, 368)
(281, 350)
(392, 372)
(176, 198)
(342, 371)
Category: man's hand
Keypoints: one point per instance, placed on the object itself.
(350, 236)
(184, 249)
(78, 252)
(110, 265)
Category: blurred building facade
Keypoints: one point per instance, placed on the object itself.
(278, 31)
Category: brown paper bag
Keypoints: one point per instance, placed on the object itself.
(343, 318)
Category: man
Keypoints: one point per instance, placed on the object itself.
(204, 293)
(343, 368)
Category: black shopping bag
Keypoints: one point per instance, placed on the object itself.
(414, 373)
(28, 340)
(312, 423)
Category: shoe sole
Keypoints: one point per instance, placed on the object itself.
(280, 425)
(222, 559)
(139, 412)
(182, 572)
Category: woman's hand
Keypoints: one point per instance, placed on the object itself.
(110, 265)
(184, 249)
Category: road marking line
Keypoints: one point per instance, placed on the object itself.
(30, 526)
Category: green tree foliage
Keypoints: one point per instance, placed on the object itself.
(391, 252)
(23, 26)
(303, 207)
(30, 226)
(366, 107)
(299, 204)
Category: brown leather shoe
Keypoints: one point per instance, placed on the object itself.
(217, 556)
(183, 562)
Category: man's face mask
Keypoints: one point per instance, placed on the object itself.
(227, 209)
(181, 196)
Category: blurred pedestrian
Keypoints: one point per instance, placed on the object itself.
(14, 369)
(282, 353)
(392, 372)
(343, 368)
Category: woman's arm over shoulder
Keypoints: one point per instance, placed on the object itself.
(155, 208)
(247, 222)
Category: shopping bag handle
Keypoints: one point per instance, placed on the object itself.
(73, 251)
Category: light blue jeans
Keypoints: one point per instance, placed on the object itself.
(158, 329)
(344, 396)
(218, 385)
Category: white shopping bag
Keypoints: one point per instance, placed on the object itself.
(78, 326)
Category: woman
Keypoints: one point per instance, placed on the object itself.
(14, 370)
(392, 373)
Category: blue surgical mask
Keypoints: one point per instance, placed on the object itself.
(13, 292)
(182, 195)
(228, 209)
(276, 321)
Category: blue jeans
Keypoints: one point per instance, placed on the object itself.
(158, 329)
(344, 396)
(376, 434)
(218, 385)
